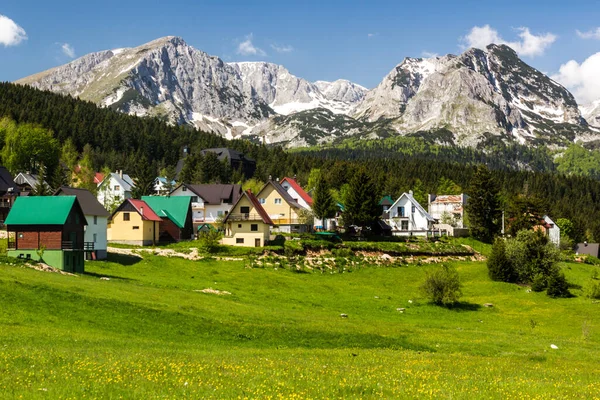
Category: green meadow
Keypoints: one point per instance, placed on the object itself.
(149, 332)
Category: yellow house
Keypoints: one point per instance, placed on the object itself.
(283, 210)
(134, 222)
(248, 224)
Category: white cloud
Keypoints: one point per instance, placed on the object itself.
(11, 34)
(583, 80)
(68, 50)
(428, 54)
(530, 45)
(282, 49)
(592, 34)
(246, 48)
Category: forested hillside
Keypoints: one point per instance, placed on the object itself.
(119, 141)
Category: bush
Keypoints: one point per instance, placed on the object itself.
(292, 248)
(442, 286)
(208, 241)
(539, 283)
(530, 253)
(593, 291)
(557, 285)
(499, 266)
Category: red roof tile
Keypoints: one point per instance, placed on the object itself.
(305, 196)
(98, 178)
(148, 214)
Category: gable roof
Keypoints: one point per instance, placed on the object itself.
(147, 215)
(282, 192)
(24, 178)
(216, 193)
(414, 203)
(41, 210)
(88, 202)
(257, 206)
(98, 178)
(301, 192)
(126, 182)
(448, 198)
(175, 208)
(7, 183)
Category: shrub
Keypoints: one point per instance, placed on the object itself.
(292, 248)
(208, 241)
(530, 253)
(593, 290)
(539, 283)
(557, 285)
(442, 286)
(499, 266)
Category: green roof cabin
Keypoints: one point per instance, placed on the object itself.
(176, 217)
(49, 229)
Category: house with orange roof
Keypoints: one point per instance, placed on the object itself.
(134, 222)
(296, 192)
(248, 224)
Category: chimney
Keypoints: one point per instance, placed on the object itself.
(270, 178)
(410, 193)
(121, 173)
(142, 210)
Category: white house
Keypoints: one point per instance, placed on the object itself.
(407, 217)
(209, 202)
(552, 230)
(160, 186)
(448, 209)
(297, 193)
(115, 188)
(97, 221)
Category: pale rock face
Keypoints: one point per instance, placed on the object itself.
(591, 113)
(342, 90)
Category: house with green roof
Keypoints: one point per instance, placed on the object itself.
(175, 213)
(48, 229)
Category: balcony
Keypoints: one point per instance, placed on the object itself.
(245, 217)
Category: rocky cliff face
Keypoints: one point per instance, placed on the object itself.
(591, 113)
(473, 95)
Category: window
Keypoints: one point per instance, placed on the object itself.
(245, 210)
(136, 227)
(117, 187)
(95, 220)
(413, 209)
(125, 216)
(239, 225)
(95, 237)
(184, 189)
(262, 200)
(194, 199)
(277, 201)
(404, 225)
(401, 211)
(219, 213)
(239, 240)
(254, 227)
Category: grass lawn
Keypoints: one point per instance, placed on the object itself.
(148, 332)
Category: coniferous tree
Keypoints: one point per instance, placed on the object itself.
(144, 178)
(499, 266)
(483, 206)
(41, 188)
(58, 178)
(362, 204)
(323, 204)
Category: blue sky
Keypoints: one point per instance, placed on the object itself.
(356, 40)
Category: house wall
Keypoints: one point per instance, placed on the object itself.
(241, 230)
(167, 226)
(417, 221)
(75, 224)
(281, 214)
(201, 211)
(33, 237)
(107, 193)
(294, 194)
(121, 231)
(100, 230)
(53, 258)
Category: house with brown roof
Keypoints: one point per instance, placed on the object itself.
(248, 224)
(282, 208)
(448, 209)
(210, 202)
(96, 217)
(134, 222)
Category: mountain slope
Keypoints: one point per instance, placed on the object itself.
(591, 113)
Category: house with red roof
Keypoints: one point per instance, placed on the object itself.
(296, 192)
(134, 222)
(248, 224)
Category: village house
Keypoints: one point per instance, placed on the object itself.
(162, 187)
(134, 222)
(27, 182)
(49, 229)
(407, 217)
(297, 193)
(549, 229)
(96, 217)
(283, 210)
(248, 224)
(210, 202)
(236, 160)
(176, 217)
(448, 209)
(9, 191)
(114, 188)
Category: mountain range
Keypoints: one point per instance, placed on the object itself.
(476, 95)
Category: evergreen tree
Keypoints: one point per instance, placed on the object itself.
(448, 186)
(499, 266)
(558, 285)
(483, 206)
(362, 204)
(41, 188)
(323, 204)
(58, 178)
(145, 177)
(525, 212)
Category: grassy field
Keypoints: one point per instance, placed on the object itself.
(148, 332)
